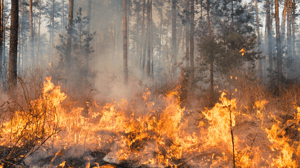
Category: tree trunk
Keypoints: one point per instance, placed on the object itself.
(125, 41)
(161, 27)
(258, 40)
(148, 39)
(269, 26)
(52, 29)
(143, 39)
(31, 33)
(187, 32)
(278, 46)
(13, 47)
(211, 69)
(151, 41)
(69, 38)
(173, 36)
(293, 28)
(283, 21)
(39, 32)
(89, 15)
(288, 29)
(192, 36)
(1, 35)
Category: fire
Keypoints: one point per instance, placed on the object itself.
(153, 130)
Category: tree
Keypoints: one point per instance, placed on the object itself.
(69, 30)
(211, 57)
(192, 36)
(269, 29)
(39, 32)
(187, 32)
(125, 52)
(89, 28)
(1, 35)
(258, 39)
(278, 45)
(148, 39)
(31, 33)
(174, 51)
(13, 47)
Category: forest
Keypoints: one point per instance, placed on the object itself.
(149, 83)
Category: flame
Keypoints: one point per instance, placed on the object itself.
(242, 51)
(153, 130)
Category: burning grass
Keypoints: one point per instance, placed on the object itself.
(149, 131)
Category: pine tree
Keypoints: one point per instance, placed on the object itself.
(13, 49)
(278, 46)
(69, 30)
(125, 40)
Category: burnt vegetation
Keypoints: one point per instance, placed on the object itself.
(149, 83)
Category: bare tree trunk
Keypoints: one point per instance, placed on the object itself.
(161, 27)
(174, 51)
(151, 41)
(269, 26)
(13, 47)
(288, 29)
(31, 33)
(148, 39)
(1, 36)
(192, 36)
(187, 32)
(125, 41)
(258, 40)
(283, 21)
(89, 15)
(69, 38)
(142, 37)
(293, 28)
(278, 46)
(39, 32)
(212, 59)
(52, 29)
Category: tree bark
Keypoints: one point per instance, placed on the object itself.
(142, 37)
(13, 47)
(212, 59)
(174, 51)
(288, 29)
(125, 52)
(52, 29)
(69, 38)
(89, 15)
(293, 27)
(39, 32)
(148, 39)
(192, 36)
(278, 45)
(187, 32)
(151, 41)
(31, 33)
(283, 21)
(1, 36)
(269, 26)
(258, 40)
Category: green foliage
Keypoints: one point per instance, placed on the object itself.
(81, 51)
(225, 49)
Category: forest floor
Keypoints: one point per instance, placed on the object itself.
(50, 126)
